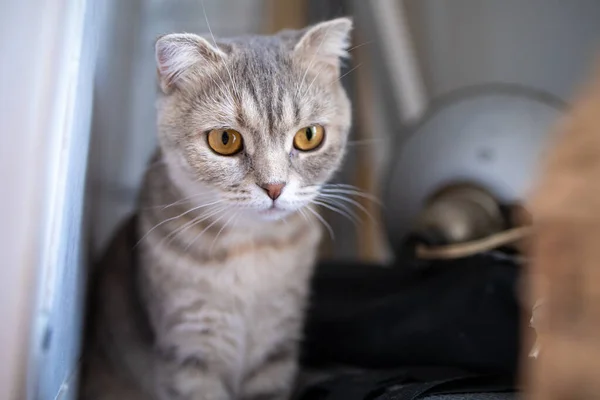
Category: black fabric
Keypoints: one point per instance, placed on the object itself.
(461, 314)
(407, 384)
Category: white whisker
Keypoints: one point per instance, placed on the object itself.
(359, 45)
(221, 230)
(202, 232)
(352, 69)
(325, 223)
(313, 81)
(174, 218)
(334, 207)
(348, 200)
(341, 185)
(184, 200)
(208, 214)
(352, 192)
(234, 88)
(346, 185)
(306, 217)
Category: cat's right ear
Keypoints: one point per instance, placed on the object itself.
(326, 43)
(182, 56)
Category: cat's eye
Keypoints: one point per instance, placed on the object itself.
(309, 138)
(225, 142)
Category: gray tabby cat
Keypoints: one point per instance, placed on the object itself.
(250, 129)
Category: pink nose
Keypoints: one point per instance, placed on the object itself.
(273, 189)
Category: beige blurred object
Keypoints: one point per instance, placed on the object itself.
(565, 251)
(371, 239)
(537, 313)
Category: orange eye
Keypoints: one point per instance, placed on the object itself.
(225, 142)
(309, 138)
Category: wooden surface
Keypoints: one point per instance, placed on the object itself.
(285, 14)
(371, 239)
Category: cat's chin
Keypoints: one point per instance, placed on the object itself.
(273, 214)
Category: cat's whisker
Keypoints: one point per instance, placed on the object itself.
(347, 185)
(341, 185)
(313, 81)
(337, 209)
(185, 199)
(325, 223)
(222, 90)
(174, 218)
(351, 201)
(301, 211)
(352, 192)
(359, 45)
(234, 87)
(198, 220)
(212, 245)
(343, 75)
(216, 46)
(175, 203)
(201, 233)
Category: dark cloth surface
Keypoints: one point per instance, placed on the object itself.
(462, 315)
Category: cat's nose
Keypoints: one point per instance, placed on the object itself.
(273, 189)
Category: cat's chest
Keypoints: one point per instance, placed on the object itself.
(274, 287)
(273, 313)
(269, 283)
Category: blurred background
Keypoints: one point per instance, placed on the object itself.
(443, 91)
(406, 57)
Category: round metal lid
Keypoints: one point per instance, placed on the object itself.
(491, 136)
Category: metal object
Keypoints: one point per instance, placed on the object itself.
(490, 136)
(459, 213)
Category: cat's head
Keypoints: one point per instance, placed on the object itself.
(258, 122)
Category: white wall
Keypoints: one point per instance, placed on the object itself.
(547, 44)
(47, 71)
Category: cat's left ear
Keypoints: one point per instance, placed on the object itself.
(326, 43)
(184, 57)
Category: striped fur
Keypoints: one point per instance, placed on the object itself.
(213, 307)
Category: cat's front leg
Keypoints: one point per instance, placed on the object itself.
(190, 380)
(197, 365)
(274, 378)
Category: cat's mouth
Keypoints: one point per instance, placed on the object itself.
(273, 212)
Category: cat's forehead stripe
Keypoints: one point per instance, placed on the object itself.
(270, 105)
(250, 107)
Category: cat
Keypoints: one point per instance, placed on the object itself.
(209, 305)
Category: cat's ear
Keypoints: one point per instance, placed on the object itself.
(327, 42)
(180, 55)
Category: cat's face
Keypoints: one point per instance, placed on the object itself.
(259, 123)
